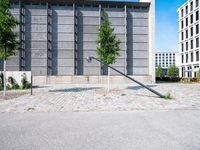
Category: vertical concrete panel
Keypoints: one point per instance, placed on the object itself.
(87, 36)
(36, 39)
(138, 42)
(62, 40)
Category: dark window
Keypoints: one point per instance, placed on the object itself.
(197, 42)
(192, 57)
(191, 31)
(186, 22)
(182, 13)
(186, 34)
(197, 15)
(191, 44)
(191, 6)
(182, 47)
(182, 24)
(186, 46)
(197, 29)
(182, 35)
(186, 10)
(197, 3)
(186, 58)
(197, 56)
(191, 19)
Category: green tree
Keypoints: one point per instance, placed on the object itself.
(107, 43)
(8, 38)
(159, 72)
(173, 71)
(198, 75)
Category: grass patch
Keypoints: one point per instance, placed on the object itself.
(123, 94)
(31, 109)
(168, 96)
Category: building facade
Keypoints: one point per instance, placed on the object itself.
(165, 60)
(189, 23)
(58, 35)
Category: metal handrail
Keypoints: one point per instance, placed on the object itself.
(89, 59)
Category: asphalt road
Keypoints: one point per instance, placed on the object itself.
(138, 130)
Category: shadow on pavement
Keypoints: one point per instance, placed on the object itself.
(139, 87)
(75, 89)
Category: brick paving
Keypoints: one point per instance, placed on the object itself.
(72, 97)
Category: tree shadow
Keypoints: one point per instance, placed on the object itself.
(75, 89)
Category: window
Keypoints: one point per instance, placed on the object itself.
(191, 57)
(186, 58)
(191, 31)
(182, 24)
(197, 15)
(191, 44)
(181, 12)
(191, 6)
(186, 34)
(197, 56)
(182, 35)
(182, 47)
(186, 46)
(186, 10)
(191, 19)
(197, 42)
(197, 29)
(186, 22)
(183, 71)
(197, 3)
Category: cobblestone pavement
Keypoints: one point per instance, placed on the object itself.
(72, 97)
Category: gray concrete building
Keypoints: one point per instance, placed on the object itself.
(58, 35)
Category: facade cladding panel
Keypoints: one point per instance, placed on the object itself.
(62, 40)
(60, 36)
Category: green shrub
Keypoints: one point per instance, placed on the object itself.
(13, 84)
(1, 80)
(25, 83)
(159, 72)
(168, 96)
(173, 71)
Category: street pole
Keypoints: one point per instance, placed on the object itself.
(4, 76)
(108, 80)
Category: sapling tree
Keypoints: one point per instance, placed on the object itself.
(8, 38)
(108, 45)
(159, 72)
(173, 71)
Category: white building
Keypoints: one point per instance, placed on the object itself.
(166, 59)
(189, 20)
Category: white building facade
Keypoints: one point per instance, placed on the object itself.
(189, 22)
(166, 59)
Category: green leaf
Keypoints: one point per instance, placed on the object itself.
(8, 38)
(107, 43)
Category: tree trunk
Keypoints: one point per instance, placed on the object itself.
(4, 76)
(108, 79)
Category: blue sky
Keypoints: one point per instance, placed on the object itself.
(167, 24)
